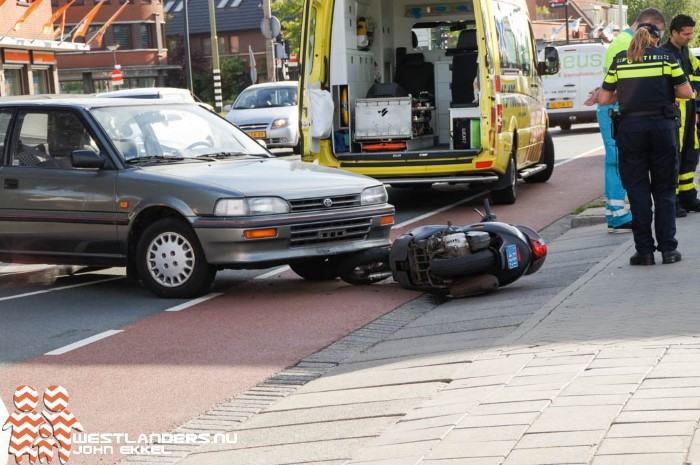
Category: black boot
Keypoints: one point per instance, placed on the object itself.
(691, 206)
(669, 257)
(643, 259)
(680, 211)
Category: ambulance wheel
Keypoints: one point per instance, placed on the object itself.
(508, 194)
(547, 159)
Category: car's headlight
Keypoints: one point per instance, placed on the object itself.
(251, 206)
(374, 195)
(280, 123)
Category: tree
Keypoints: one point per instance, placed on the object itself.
(290, 12)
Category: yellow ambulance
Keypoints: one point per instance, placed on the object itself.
(416, 93)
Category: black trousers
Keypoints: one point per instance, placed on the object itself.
(649, 158)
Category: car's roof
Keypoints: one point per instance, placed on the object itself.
(83, 101)
(274, 84)
(151, 91)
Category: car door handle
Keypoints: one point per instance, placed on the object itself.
(569, 85)
(10, 184)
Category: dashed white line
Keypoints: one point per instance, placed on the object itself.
(84, 342)
(189, 304)
(62, 288)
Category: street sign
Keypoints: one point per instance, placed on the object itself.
(558, 4)
(270, 27)
(117, 75)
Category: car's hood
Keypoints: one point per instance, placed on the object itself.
(267, 176)
(262, 115)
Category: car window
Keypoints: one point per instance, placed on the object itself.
(47, 138)
(5, 118)
(172, 130)
(266, 97)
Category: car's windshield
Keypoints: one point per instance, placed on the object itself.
(179, 131)
(264, 97)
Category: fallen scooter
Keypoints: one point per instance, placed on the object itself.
(452, 260)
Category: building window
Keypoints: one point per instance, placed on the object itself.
(235, 3)
(54, 3)
(122, 35)
(146, 36)
(223, 45)
(13, 81)
(79, 2)
(233, 44)
(41, 81)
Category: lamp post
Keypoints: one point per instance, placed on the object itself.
(219, 104)
(113, 48)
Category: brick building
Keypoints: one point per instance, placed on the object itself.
(135, 41)
(237, 27)
(28, 53)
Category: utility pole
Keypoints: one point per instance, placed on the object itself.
(622, 16)
(566, 15)
(219, 104)
(188, 57)
(269, 44)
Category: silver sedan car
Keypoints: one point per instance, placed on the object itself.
(173, 192)
(269, 112)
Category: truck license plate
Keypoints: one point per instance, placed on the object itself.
(258, 134)
(565, 104)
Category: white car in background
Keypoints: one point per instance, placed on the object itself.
(174, 94)
(269, 112)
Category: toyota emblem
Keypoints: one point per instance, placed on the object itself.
(328, 203)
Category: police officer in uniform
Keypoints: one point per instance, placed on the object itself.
(646, 81)
(682, 32)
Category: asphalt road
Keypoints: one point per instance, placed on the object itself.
(152, 369)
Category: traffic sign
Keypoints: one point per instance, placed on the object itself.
(117, 75)
(558, 4)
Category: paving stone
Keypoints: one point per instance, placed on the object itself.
(662, 383)
(666, 403)
(434, 422)
(599, 389)
(657, 415)
(630, 353)
(488, 433)
(520, 395)
(521, 380)
(544, 370)
(563, 439)
(582, 359)
(645, 445)
(497, 420)
(639, 459)
(624, 362)
(571, 401)
(510, 407)
(479, 381)
(401, 436)
(470, 450)
(557, 419)
(550, 456)
(652, 429)
(460, 461)
(659, 393)
(392, 451)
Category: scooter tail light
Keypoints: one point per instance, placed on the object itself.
(539, 248)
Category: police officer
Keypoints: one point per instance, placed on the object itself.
(619, 218)
(682, 31)
(646, 81)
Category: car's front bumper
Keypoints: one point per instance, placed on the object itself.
(297, 236)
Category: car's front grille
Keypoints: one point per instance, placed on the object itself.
(325, 203)
(330, 231)
(253, 127)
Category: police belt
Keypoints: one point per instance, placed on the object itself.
(659, 112)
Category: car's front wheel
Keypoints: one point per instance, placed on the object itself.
(171, 262)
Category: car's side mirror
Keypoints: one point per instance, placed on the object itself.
(550, 65)
(87, 159)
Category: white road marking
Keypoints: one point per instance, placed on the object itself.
(84, 342)
(62, 288)
(581, 155)
(189, 304)
(273, 272)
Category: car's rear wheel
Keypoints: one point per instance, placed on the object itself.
(171, 262)
(316, 269)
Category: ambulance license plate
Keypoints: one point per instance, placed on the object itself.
(564, 104)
